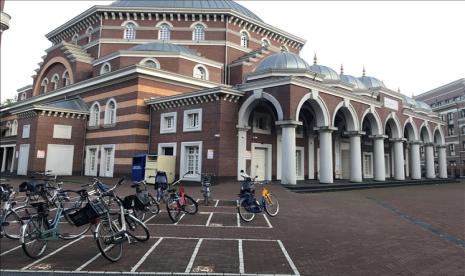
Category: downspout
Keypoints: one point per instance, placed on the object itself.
(150, 130)
(83, 160)
(226, 74)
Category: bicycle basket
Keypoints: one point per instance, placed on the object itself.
(89, 213)
(142, 199)
(129, 202)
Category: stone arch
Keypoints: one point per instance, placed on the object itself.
(374, 121)
(410, 128)
(393, 122)
(350, 115)
(63, 61)
(425, 133)
(438, 136)
(322, 116)
(249, 104)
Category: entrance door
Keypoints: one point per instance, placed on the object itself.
(345, 160)
(299, 163)
(107, 162)
(23, 159)
(91, 161)
(259, 163)
(60, 159)
(367, 165)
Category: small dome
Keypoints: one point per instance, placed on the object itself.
(283, 60)
(329, 73)
(410, 101)
(353, 80)
(163, 47)
(184, 4)
(423, 105)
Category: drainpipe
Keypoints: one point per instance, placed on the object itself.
(225, 75)
(83, 160)
(100, 36)
(150, 129)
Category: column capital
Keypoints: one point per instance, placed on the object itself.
(243, 128)
(325, 129)
(415, 142)
(288, 123)
(397, 140)
(378, 137)
(354, 133)
(441, 146)
(428, 144)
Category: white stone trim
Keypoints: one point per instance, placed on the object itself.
(142, 62)
(186, 127)
(106, 117)
(167, 145)
(207, 73)
(102, 71)
(163, 129)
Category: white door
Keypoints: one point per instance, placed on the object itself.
(107, 161)
(367, 165)
(23, 159)
(299, 163)
(91, 161)
(60, 159)
(345, 160)
(259, 163)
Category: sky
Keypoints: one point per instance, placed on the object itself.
(415, 46)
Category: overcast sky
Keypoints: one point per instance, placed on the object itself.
(416, 46)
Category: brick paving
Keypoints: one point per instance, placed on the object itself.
(338, 233)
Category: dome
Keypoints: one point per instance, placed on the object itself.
(284, 60)
(184, 4)
(163, 47)
(370, 82)
(329, 73)
(352, 80)
(423, 105)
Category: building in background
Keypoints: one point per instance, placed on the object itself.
(4, 20)
(449, 102)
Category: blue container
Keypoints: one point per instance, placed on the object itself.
(138, 167)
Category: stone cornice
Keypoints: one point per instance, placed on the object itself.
(4, 21)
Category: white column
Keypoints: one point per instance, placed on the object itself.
(415, 167)
(288, 169)
(241, 149)
(442, 161)
(326, 155)
(429, 149)
(379, 168)
(13, 159)
(4, 160)
(407, 160)
(399, 173)
(355, 158)
(311, 157)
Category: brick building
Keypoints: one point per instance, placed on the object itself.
(449, 101)
(214, 85)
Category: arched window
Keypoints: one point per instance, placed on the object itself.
(265, 43)
(66, 78)
(55, 81)
(200, 72)
(22, 96)
(106, 68)
(8, 129)
(150, 62)
(44, 85)
(130, 31)
(199, 32)
(110, 112)
(94, 119)
(164, 33)
(89, 34)
(14, 128)
(244, 39)
(75, 38)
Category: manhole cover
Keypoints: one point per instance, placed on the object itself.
(216, 224)
(206, 269)
(41, 267)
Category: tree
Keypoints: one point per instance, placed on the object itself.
(8, 102)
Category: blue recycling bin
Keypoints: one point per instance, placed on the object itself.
(138, 167)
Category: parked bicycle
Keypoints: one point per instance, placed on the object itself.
(179, 203)
(11, 219)
(142, 202)
(206, 181)
(248, 205)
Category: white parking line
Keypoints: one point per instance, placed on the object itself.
(288, 258)
(209, 219)
(65, 273)
(142, 260)
(92, 259)
(150, 218)
(267, 221)
(53, 253)
(179, 219)
(217, 201)
(238, 220)
(241, 258)
(194, 254)
(8, 251)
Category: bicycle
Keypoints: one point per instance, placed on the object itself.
(142, 202)
(110, 233)
(11, 219)
(206, 181)
(248, 205)
(36, 233)
(179, 203)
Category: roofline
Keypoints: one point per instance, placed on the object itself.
(203, 92)
(462, 80)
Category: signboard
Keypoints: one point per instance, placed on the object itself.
(41, 154)
(248, 155)
(390, 103)
(210, 154)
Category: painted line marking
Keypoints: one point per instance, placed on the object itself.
(8, 251)
(267, 221)
(238, 220)
(179, 219)
(209, 219)
(430, 228)
(65, 273)
(92, 259)
(289, 260)
(150, 218)
(197, 200)
(53, 253)
(142, 260)
(194, 254)
(202, 225)
(216, 203)
(241, 258)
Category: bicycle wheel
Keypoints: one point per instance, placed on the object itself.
(190, 206)
(271, 205)
(153, 206)
(31, 243)
(174, 209)
(110, 245)
(67, 229)
(136, 228)
(13, 223)
(140, 214)
(243, 213)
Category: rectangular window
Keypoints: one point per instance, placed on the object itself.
(168, 122)
(450, 130)
(62, 131)
(462, 113)
(192, 120)
(261, 123)
(26, 130)
(167, 149)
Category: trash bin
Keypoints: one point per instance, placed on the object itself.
(138, 167)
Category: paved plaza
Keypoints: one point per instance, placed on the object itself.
(414, 230)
